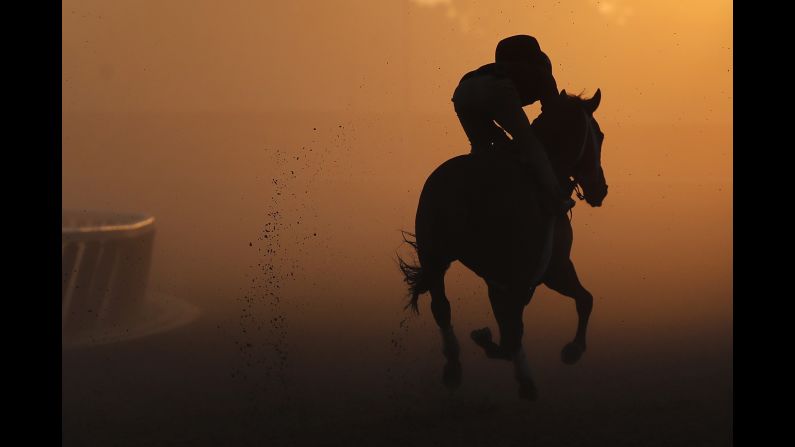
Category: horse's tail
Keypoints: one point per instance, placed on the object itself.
(413, 275)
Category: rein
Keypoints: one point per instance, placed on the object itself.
(588, 131)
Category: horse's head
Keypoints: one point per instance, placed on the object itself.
(567, 127)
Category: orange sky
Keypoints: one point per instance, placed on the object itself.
(655, 61)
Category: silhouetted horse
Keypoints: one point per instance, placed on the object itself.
(481, 209)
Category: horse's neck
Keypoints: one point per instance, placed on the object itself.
(509, 151)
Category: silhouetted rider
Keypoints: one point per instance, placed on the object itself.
(496, 93)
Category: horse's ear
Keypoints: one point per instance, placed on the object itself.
(593, 103)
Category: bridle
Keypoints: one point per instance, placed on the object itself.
(588, 131)
(588, 135)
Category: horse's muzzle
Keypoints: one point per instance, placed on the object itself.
(595, 199)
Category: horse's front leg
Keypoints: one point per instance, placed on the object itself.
(563, 279)
(508, 304)
(440, 307)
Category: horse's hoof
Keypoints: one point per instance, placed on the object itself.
(451, 377)
(571, 353)
(528, 390)
(481, 336)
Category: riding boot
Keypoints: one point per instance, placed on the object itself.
(552, 198)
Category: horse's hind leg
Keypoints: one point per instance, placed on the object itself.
(563, 279)
(440, 307)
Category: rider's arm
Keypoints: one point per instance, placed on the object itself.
(508, 113)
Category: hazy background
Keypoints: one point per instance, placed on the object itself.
(316, 123)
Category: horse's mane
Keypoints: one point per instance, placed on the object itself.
(569, 101)
(577, 97)
(574, 99)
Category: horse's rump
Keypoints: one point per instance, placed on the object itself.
(482, 210)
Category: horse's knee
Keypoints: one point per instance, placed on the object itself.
(584, 302)
(571, 287)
